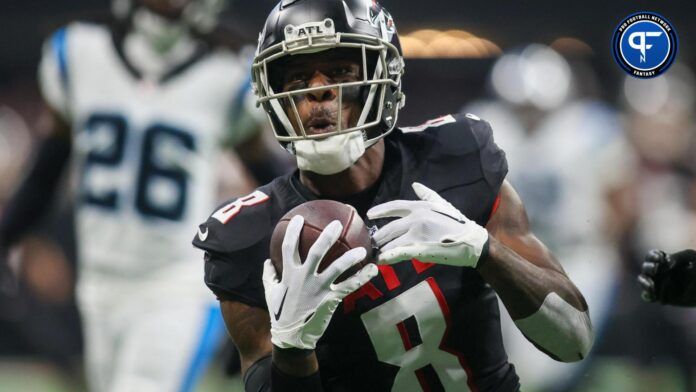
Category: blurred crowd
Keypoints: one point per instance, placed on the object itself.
(603, 183)
(605, 175)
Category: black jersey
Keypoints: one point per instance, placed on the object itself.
(416, 326)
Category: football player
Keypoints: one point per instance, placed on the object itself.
(451, 231)
(669, 279)
(141, 108)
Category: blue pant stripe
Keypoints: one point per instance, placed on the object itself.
(212, 332)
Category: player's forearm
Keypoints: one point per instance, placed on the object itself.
(522, 285)
(545, 304)
(34, 194)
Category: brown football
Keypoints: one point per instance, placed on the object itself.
(317, 215)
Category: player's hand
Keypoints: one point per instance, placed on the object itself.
(669, 278)
(430, 229)
(302, 302)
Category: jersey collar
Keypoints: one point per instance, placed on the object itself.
(118, 37)
(388, 185)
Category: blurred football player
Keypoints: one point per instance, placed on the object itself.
(328, 74)
(543, 107)
(141, 108)
(669, 279)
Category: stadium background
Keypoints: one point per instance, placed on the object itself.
(624, 147)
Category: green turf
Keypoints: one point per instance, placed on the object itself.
(605, 374)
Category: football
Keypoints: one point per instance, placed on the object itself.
(317, 215)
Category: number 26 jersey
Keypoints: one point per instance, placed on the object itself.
(144, 151)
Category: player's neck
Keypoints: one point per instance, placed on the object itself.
(357, 178)
(152, 63)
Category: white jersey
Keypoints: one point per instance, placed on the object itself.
(144, 151)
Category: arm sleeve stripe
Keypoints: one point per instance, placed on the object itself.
(60, 51)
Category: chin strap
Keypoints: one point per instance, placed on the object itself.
(331, 155)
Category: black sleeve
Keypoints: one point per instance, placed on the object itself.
(464, 164)
(236, 277)
(493, 161)
(33, 197)
(235, 248)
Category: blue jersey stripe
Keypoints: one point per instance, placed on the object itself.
(60, 51)
(213, 330)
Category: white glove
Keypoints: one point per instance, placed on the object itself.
(430, 229)
(302, 302)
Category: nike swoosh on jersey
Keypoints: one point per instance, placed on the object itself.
(280, 309)
(201, 235)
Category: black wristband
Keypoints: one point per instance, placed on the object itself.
(485, 253)
(282, 382)
(258, 377)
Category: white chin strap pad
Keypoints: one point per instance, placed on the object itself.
(559, 329)
(331, 155)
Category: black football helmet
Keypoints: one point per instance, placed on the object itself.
(296, 27)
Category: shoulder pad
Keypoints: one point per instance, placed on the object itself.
(457, 134)
(82, 35)
(237, 224)
(465, 135)
(62, 55)
(493, 160)
(54, 80)
(461, 141)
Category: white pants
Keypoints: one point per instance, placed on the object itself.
(147, 335)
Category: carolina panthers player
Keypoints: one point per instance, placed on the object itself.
(451, 231)
(141, 108)
(669, 278)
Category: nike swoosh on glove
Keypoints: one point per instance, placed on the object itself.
(302, 302)
(430, 229)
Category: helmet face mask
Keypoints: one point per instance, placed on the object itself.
(369, 41)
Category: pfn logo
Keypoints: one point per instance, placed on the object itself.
(641, 45)
(645, 44)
